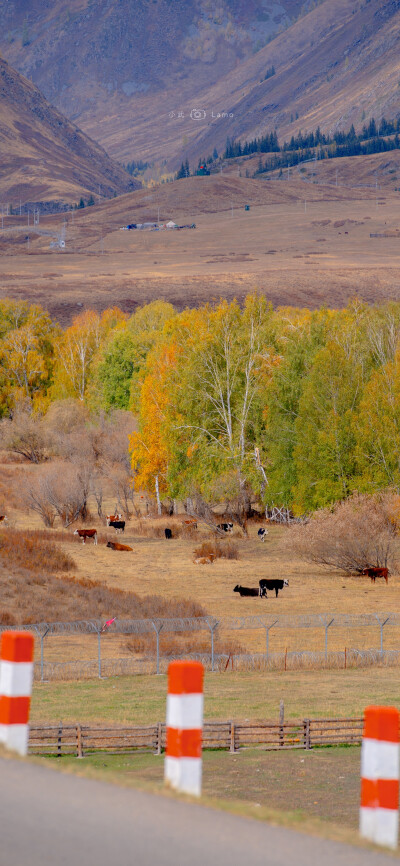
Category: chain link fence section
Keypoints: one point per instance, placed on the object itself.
(88, 669)
(157, 663)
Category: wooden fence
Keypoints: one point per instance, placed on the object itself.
(81, 740)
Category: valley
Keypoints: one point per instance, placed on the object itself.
(300, 243)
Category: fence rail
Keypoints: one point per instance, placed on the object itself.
(81, 740)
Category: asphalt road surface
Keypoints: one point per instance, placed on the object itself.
(51, 819)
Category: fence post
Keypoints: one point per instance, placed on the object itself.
(382, 625)
(16, 675)
(281, 721)
(307, 737)
(59, 740)
(380, 776)
(183, 762)
(79, 752)
(212, 628)
(267, 628)
(327, 625)
(159, 738)
(232, 743)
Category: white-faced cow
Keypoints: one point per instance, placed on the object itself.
(86, 533)
(225, 527)
(118, 525)
(262, 533)
(110, 517)
(271, 583)
(3, 518)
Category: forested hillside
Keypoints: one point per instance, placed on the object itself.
(296, 407)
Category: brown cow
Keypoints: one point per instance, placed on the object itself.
(374, 571)
(110, 517)
(86, 533)
(3, 518)
(191, 523)
(116, 546)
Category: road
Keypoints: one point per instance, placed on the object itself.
(51, 819)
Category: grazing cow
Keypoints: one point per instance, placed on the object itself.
(190, 523)
(271, 583)
(375, 572)
(111, 517)
(119, 525)
(116, 546)
(225, 527)
(205, 560)
(245, 590)
(3, 518)
(86, 533)
(262, 534)
(168, 532)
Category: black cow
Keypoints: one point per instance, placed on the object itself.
(225, 527)
(245, 590)
(271, 583)
(119, 525)
(168, 533)
(262, 534)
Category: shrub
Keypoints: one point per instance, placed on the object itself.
(219, 549)
(28, 549)
(357, 533)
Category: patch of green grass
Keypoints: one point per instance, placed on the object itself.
(142, 699)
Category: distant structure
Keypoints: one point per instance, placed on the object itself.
(59, 244)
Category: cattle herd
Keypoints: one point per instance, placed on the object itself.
(116, 522)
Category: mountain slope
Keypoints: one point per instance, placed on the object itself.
(159, 80)
(338, 65)
(43, 156)
(117, 67)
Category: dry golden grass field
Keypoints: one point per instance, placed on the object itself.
(302, 244)
(165, 568)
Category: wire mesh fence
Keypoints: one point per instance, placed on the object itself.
(287, 661)
(329, 640)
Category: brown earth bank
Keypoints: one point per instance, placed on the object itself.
(301, 244)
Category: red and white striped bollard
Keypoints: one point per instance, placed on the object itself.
(183, 762)
(379, 817)
(16, 675)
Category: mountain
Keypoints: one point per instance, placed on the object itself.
(119, 68)
(336, 66)
(43, 156)
(162, 80)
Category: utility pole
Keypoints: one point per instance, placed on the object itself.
(305, 207)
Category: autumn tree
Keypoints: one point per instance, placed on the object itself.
(149, 445)
(27, 338)
(76, 349)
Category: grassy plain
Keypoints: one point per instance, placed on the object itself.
(303, 244)
(236, 696)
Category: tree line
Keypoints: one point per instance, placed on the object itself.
(224, 403)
